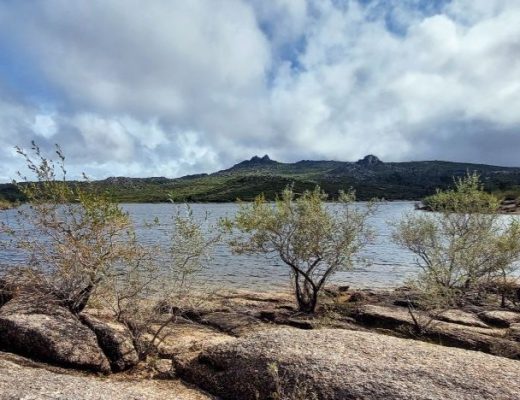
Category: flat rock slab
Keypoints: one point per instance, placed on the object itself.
(50, 333)
(462, 318)
(335, 364)
(493, 341)
(231, 322)
(500, 318)
(19, 381)
(514, 331)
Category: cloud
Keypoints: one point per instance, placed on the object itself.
(175, 88)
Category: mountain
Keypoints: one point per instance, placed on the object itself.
(370, 177)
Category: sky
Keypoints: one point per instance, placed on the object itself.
(174, 87)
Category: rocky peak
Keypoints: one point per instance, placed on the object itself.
(369, 161)
(255, 162)
(263, 159)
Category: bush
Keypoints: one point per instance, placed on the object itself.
(468, 195)
(81, 248)
(151, 291)
(312, 240)
(6, 205)
(72, 236)
(463, 246)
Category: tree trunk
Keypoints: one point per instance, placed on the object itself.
(306, 295)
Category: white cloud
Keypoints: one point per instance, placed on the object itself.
(174, 88)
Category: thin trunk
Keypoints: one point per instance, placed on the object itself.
(306, 296)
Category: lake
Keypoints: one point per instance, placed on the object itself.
(383, 263)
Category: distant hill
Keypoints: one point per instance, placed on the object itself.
(370, 177)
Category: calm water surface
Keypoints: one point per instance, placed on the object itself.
(383, 263)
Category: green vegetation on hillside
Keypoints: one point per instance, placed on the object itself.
(369, 177)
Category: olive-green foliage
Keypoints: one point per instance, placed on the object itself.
(468, 195)
(153, 287)
(5, 205)
(72, 236)
(313, 240)
(464, 244)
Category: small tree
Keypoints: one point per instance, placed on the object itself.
(150, 291)
(463, 244)
(313, 240)
(72, 236)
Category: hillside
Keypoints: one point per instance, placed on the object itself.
(370, 177)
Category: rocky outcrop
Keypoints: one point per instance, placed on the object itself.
(50, 333)
(369, 161)
(182, 338)
(500, 318)
(462, 318)
(232, 323)
(510, 206)
(116, 342)
(514, 332)
(398, 320)
(22, 379)
(341, 364)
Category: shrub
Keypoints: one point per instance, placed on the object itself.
(72, 236)
(466, 244)
(467, 195)
(314, 241)
(151, 291)
(6, 205)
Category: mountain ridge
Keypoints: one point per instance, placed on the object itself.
(369, 176)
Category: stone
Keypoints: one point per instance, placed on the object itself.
(164, 368)
(180, 338)
(115, 340)
(50, 333)
(500, 318)
(231, 322)
(369, 161)
(493, 341)
(6, 292)
(334, 364)
(357, 297)
(514, 332)
(22, 379)
(461, 317)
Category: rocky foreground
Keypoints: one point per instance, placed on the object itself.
(362, 345)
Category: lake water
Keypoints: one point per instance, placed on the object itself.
(384, 264)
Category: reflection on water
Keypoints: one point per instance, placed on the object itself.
(385, 264)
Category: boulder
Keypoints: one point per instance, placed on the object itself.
(50, 333)
(163, 368)
(500, 318)
(334, 364)
(116, 342)
(461, 317)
